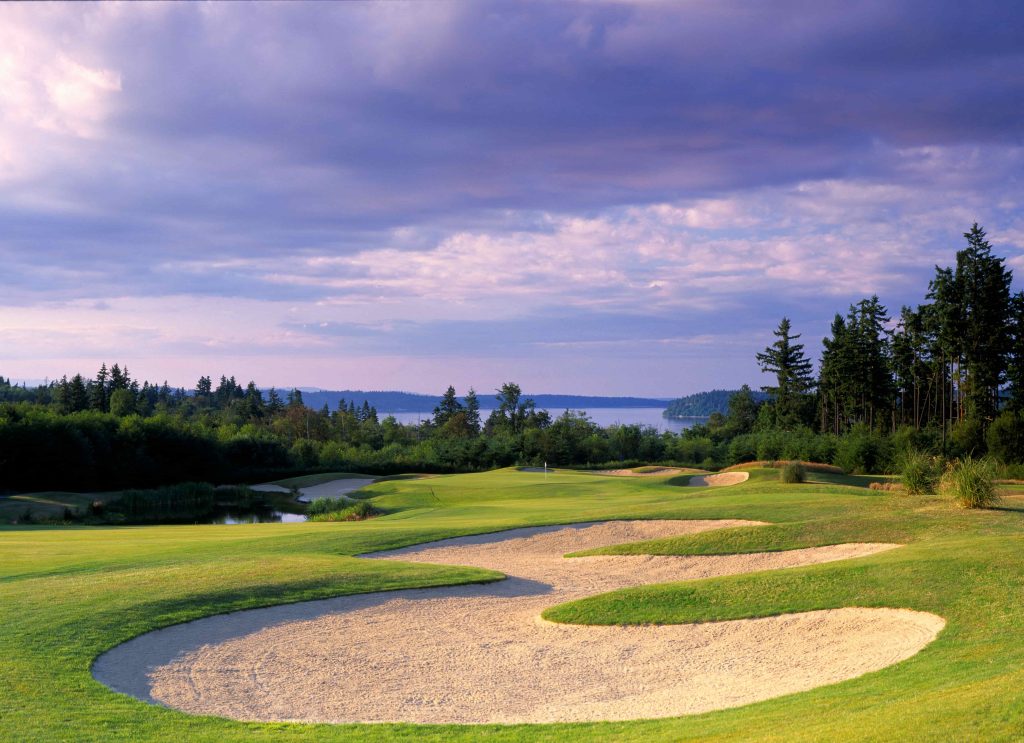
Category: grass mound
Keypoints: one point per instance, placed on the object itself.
(781, 464)
(970, 482)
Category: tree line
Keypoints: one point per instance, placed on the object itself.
(950, 371)
(945, 377)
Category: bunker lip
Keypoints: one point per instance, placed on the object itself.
(722, 479)
(481, 654)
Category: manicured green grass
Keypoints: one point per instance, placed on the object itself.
(69, 593)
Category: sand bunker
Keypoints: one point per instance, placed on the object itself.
(481, 653)
(652, 472)
(336, 489)
(722, 479)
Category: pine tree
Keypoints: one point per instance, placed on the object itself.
(254, 408)
(274, 404)
(792, 371)
(78, 394)
(972, 310)
(472, 411)
(447, 408)
(1015, 371)
(204, 387)
(100, 394)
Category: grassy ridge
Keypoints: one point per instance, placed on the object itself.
(67, 594)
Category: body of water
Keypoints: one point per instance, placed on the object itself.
(257, 517)
(600, 416)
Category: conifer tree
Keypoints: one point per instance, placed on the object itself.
(472, 411)
(792, 370)
(447, 408)
(99, 398)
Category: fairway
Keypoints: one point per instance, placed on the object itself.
(69, 594)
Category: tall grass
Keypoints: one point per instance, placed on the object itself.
(793, 472)
(331, 509)
(970, 482)
(919, 472)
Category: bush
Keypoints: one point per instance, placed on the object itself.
(967, 438)
(186, 500)
(970, 482)
(793, 472)
(919, 472)
(862, 451)
(329, 509)
(1005, 438)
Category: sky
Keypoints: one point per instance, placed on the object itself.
(581, 197)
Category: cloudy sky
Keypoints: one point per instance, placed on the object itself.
(589, 197)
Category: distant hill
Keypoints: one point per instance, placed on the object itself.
(409, 402)
(703, 404)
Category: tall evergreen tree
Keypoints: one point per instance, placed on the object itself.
(972, 314)
(274, 404)
(786, 360)
(1015, 367)
(204, 387)
(99, 397)
(472, 411)
(447, 408)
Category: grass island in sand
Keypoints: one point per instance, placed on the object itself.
(70, 594)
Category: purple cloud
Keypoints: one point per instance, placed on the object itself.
(450, 172)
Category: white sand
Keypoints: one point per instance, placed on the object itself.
(722, 479)
(476, 654)
(658, 472)
(336, 489)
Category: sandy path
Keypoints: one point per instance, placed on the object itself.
(476, 654)
(337, 489)
(723, 479)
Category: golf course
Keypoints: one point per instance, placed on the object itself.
(74, 594)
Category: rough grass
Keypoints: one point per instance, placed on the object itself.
(793, 473)
(332, 509)
(920, 473)
(68, 594)
(970, 482)
(891, 487)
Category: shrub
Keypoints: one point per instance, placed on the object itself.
(793, 472)
(967, 438)
(329, 509)
(187, 500)
(743, 448)
(970, 482)
(1005, 438)
(919, 472)
(862, 451)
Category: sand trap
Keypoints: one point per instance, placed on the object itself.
(336, 489)
(481, 654)
(654, 472)
(722, 479)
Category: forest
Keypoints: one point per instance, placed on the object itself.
(944, 378)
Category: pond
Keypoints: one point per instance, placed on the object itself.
(262, 516)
